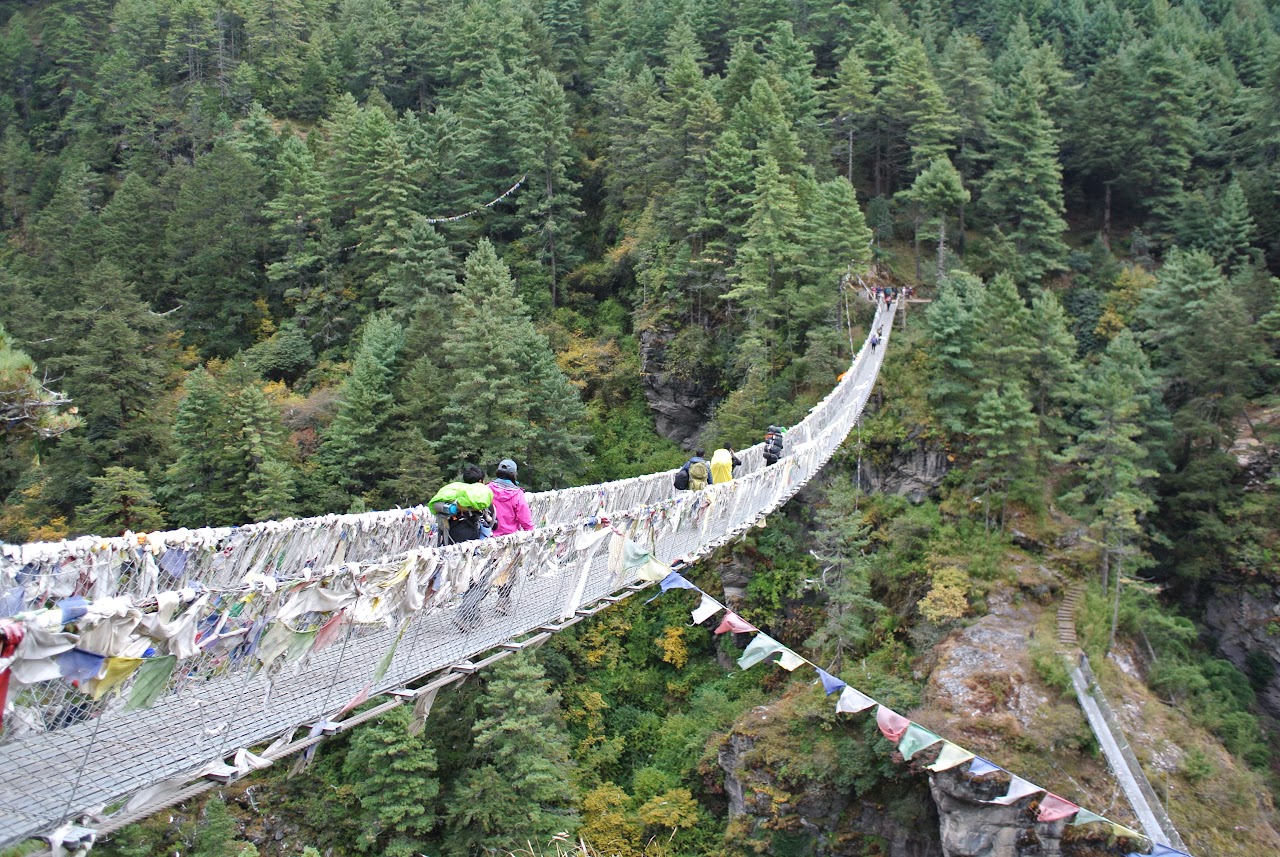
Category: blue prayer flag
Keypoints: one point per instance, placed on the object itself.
(830, 684)
(980, 766)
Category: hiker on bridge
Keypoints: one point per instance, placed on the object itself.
(723, 461)
(463, 508)
(509, 505)
(773, 444)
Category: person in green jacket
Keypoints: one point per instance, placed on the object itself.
(463, 507)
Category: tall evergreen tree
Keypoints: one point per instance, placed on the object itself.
(550, 203)
(1022, 193)
(391, 770)
(518, 784)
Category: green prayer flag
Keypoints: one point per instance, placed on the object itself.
(385, 663)
(1086, 817)
(153, 675)
(915, 740)
(760, 648)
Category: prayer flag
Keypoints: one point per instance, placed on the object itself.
(73, 608)
(705, 610)
(892, 724)
(116, 672)
(916, 739)
(153, 675)
(1158, 850)
(675, 580)
(79, 665)
(852, 701)
(981, 766)
(1128, 833)
(329, 631)
(830, 684)
(1018, 789)
(950, 756)
(1054, 808)
(641, 563)
(385, 663)
(735, 623)
(1084, 816)
(790, 661)
(758, 650)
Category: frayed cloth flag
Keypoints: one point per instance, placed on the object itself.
(705, 610)
(674, 580)
(852, 701)
(328, 632)
(1119, 830)
(79, 665)
(1018, 789)
(115, 673)
(981, 766)
(73, 608)
(640, 562)
(1084, 816)
(1054, 808)
(951, 755)
(153, 675)
(735, 623)
(916, 739)
(385, 663)
(790, 661)
(830, 684)
(761, 648)
(892, 724)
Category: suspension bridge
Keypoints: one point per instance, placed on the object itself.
(192, 647)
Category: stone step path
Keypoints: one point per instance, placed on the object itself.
(1067, 617)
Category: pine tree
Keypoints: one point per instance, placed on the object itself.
(953, 324)
(354, 454)
(1004, 440)
(920, 123)
(1105, 133)
(392, 773)
(1233, 231)
(121, 500)
(1110, 462)
(215, 240)
(1022, 193)
(492, 367)
(1053, 367)
(132, 231)
(965, 74)
(550, 204)
(306, 243)
(850, 99)
(517, 786)
(937, 191)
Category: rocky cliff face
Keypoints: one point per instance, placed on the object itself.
(913, 469)
(681, 407)
(1247, 625)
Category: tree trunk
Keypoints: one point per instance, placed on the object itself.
(1106, 215)
(960, 237)
(942, 246)
(916, 245)
(1115, 613)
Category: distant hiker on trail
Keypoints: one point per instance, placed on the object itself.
(875, 340)
(461, 507)
(509, 505)
(722, 463)
(773, 444)
(699, 470)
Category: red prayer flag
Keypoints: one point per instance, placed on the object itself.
(1054, 808)
(892, 724)
(735, 623)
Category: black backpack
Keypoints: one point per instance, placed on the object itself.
(681, 480)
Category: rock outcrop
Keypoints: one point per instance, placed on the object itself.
(1247, 626)
(681, 406)
(913, 469)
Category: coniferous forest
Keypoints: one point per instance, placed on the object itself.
(270, 258)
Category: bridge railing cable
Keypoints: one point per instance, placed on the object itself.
(292, 624)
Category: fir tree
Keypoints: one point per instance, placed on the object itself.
(937, 191)
(121, 500)
(353, 453)
(1053, 367)
(953, 324)
(392, 772)
(518, 784)
(1004, 440)
(1022, 193)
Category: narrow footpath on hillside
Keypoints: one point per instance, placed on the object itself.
(1121, 759)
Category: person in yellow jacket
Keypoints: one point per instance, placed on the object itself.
(722, 463)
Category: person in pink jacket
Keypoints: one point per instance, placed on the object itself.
(509, 505)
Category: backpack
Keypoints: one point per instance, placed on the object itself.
(681, 480)
(699, 475)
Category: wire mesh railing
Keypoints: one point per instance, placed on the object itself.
(277, 626)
